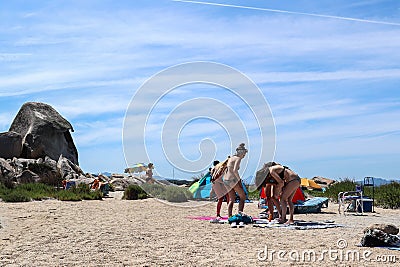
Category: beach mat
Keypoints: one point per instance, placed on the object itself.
(299, 225)
(213, 219)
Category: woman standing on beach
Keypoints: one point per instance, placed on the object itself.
(289, 181)
(232, 179)
(149, 173)
(218, 188)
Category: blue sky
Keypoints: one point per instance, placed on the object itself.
(332, 83)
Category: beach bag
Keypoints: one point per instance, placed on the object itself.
(219, 170)
(237, 218)
(378, 238)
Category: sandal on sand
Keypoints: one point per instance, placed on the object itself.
(234, 225)
(280, 221)
(241, 224)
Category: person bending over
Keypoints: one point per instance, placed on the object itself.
(289, 181)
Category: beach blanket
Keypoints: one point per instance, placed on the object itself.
(264, 223)
(213, 219)
(205, 218)
(298, 225)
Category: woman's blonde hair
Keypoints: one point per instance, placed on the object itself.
(240, 150)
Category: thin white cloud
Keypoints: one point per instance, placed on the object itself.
(292, 12)
(286, 77)
(94, 133)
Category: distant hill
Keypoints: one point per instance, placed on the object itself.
(377, 181)
(172, 181)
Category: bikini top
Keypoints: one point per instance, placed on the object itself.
(282, 174)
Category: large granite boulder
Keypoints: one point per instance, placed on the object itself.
(10, 144)
(27, 176)
(44, 133)
(5, 168)
(66, 168)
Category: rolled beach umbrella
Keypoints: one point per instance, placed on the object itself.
(138, 167)
(309, 184)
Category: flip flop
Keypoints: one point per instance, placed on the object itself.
(281, 221)
(215, 220)
(234, 225)
(241, 224)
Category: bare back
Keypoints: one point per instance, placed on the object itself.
(233, 165)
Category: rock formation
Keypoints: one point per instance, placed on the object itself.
(39, 148)
(10, 145)
(43, 131)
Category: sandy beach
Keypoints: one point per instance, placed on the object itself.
(115, 232)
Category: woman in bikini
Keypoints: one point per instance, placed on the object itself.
(149, 173)
(288, 181)
(232, 179)
(218, 189)
(272, 190)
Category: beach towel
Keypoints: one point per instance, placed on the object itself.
(298, 225)
(219, 170)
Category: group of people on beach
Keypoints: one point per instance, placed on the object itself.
(280, 183)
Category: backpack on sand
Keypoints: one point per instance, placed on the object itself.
(237, 218)
(219, 170)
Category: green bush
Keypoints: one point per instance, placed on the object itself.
(175, 194)
(15, 196)
(80, 192)
(68, 195)
(385, 196)
(39, 191)
(388, 196)
(35, 191)
(342, 186)
(134, 192)
(154, 190)
(168, 192)
(188, 194)
(82, 188)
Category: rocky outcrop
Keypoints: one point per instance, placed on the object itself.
(44, 132)
(10, 144)
(18, 171)
(27, 176)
